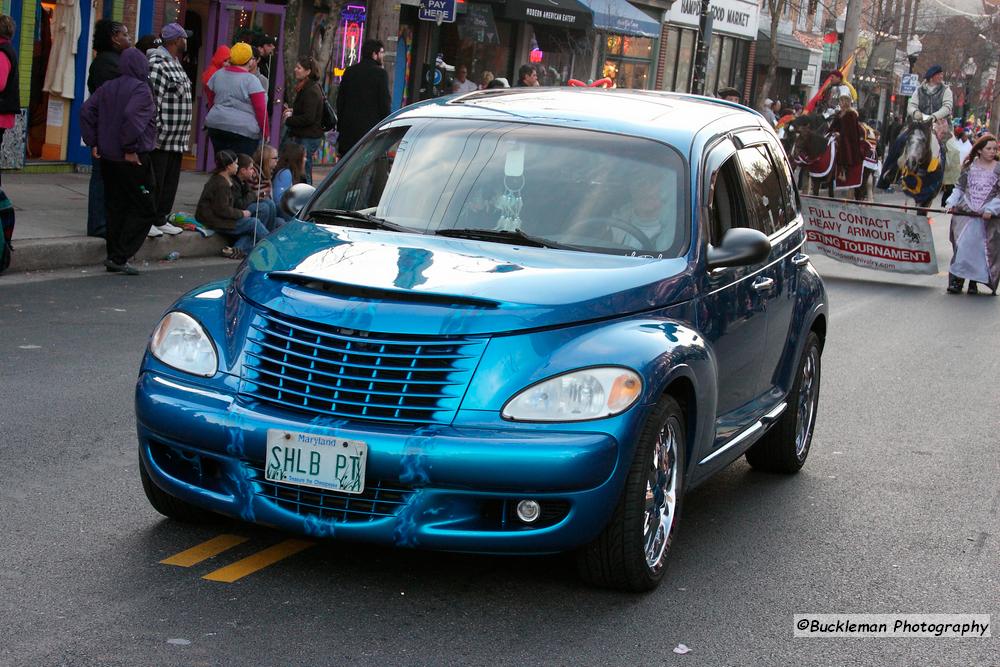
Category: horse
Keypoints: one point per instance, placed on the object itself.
(920, 170)
(815, 151)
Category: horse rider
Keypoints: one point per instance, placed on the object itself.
(849, 135)
(932, 101)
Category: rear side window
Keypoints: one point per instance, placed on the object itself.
(729, 208)
(787, 183)
(764, 189)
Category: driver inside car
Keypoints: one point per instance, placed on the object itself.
(651, 210)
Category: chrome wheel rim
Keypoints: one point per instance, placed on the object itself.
(661, 497)
(808, 393)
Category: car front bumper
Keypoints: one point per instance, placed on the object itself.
(449, 488)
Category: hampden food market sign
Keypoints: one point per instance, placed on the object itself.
(733, 17)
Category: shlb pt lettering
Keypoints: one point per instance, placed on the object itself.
(292, 461)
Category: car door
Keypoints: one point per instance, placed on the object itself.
(789, 262)
(732, 310)
(772, 196)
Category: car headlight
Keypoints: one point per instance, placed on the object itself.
(181, 342)
(589, 393)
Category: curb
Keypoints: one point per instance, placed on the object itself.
(73, 251)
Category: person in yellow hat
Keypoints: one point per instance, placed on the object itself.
(237, 105)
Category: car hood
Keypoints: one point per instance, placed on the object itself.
(418, 284)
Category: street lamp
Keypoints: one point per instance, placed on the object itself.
(969, 70)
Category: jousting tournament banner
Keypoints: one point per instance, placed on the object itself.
(884, 238)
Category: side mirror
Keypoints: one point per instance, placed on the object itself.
(296, 197)
(740, 246)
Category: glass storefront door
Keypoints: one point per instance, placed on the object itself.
(238, 18)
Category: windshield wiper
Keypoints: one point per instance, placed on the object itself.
(516, 237)
(367, 221)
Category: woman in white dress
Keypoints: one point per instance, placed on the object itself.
(975, 225)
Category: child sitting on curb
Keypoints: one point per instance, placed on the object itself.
(291, 169)
(245, 195)
(217, 209)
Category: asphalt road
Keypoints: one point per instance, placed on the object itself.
(895, 511)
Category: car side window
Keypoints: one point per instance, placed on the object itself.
(729, 207)
(792, 204)
(764, 189)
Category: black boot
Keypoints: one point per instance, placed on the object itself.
(973, 287)
(955, 284)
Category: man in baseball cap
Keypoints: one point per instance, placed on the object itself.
(173, 31)
(174, 113)
(266, 45)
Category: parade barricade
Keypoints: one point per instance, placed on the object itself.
(883, 237)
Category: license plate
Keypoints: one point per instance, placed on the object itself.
(320, 461)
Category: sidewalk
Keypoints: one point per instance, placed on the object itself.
(51, 223)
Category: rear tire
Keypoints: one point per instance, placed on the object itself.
(785, 446)
(631, 552)
(168, 505)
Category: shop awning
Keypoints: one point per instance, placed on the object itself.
(563, 13)
(620, 17)
(792, 54)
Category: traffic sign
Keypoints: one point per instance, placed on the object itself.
(439, 11)
(909, 84)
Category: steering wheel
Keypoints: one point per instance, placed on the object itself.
(602, 225)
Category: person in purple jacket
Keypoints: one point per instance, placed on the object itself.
(119, 120)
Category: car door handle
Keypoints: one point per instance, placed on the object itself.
(763, 284)
(800, 259)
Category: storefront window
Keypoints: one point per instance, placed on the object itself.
(670, 62)
(712, 73)
(627, 60)
(464, 43)
(726, 63)
(171, 10)
(627, 74)
(741, 53)
(685, 58)
(552, 54)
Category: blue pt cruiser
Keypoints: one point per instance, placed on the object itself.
(508, 322)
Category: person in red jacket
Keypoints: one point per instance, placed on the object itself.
(219, 60)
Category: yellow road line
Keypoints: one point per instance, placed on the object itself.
(258, 561)
(204, 551)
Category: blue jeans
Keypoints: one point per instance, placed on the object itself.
(247, 233)
(265, 211)
(311, 146)
(96, 221)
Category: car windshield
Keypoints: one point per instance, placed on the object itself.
(515, 183)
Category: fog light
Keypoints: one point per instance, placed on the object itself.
(528, 511)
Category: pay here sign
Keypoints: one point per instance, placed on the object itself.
(439, 11)
(869, 235)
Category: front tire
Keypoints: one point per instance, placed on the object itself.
(631, 552)
(168, 505)
(785, 446)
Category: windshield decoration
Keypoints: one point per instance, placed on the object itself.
(510, 202)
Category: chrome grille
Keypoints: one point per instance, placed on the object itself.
(379, 500)
(357, 374)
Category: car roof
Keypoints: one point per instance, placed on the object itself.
(671, 117)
